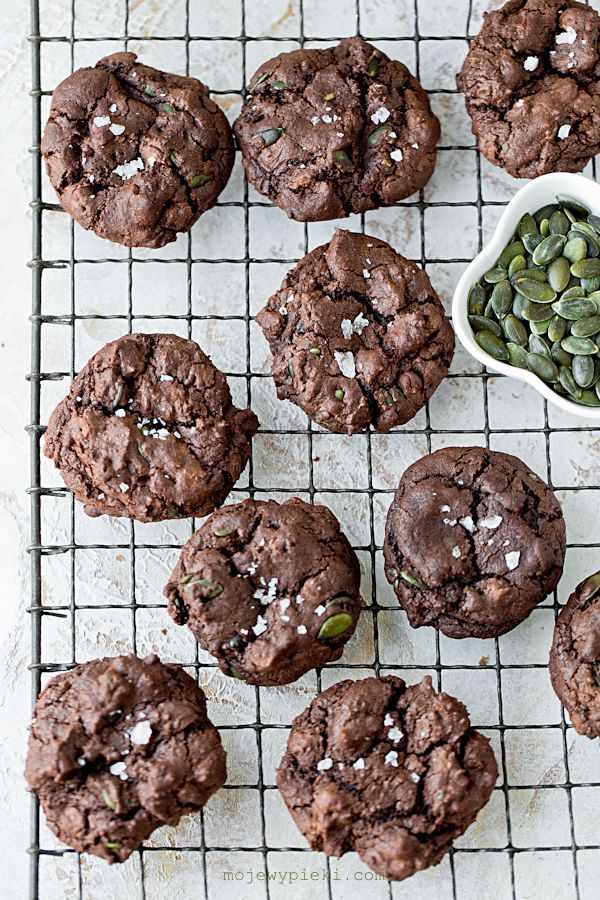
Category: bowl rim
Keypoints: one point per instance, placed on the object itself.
(529, 198)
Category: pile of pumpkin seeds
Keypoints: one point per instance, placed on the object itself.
(539, 307)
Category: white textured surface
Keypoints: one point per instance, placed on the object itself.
(534, 759)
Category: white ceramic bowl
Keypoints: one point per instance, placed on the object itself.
(530, 198)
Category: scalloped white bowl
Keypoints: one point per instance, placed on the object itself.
(530, 198)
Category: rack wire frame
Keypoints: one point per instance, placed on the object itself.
(38, 550)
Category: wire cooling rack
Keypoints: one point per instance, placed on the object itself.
(538, 836)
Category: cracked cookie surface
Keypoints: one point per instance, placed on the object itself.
(148, 431)
(271, 590)
(119, 747)
(135, 154)
(326, 133)
(393, 772)
(358, 335)
(575, 657)
(474, 540)
(531, 85)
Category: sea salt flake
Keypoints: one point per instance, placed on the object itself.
(414, 777)
(490, 542)
(395, 735)
(128, 170)
(346, 363)
(388, 720)
(531, 63)
(347, 329)
(320, 610)
(490, 522)
(120, 413)
(520, 103)
(124, 487)
(299, 598)
(380, 115)
(359, 324)
(166, 377)
(283, 311)
(119, 769)
(415, 146)
(301, 629)
(283, 604)
(260, 627)
(101, 121)
(563, 132)
(450, 522)
(324, 764)
(468, 523)
(81, 761)
(456, 552)
(113, 108)
(444, 508)
(392, 134)
(397, 155)
(327, 119)
(141, 732)
(315, 119)
(101, 495)
(151, 161)
(569, 36)
(117, 129)
(366, 273)
(512, 559)
(244, 631)
(359, 764)
(284, 618)
(391, 758)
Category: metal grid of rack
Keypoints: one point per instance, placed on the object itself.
(508, 859)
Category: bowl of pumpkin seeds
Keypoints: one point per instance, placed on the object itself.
(528, 306)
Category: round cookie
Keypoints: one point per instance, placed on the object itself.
(358, 335)
(134, 154)
(119, 747)
(530, 82)
(395, 773)
(575, 657)
(148, 431)
(474, 540)
(271, 590)
(326, 133)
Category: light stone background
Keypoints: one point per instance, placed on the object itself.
(534, 761)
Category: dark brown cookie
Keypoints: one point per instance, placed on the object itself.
(148, 431)
(474, 540)
(393, 772)
(358, 335)
(531, 85)
(271, 590)
(135, 154)
(575, 657)
(119, 747)
(326, 133)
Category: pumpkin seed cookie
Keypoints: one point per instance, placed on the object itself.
(474, 540)
(326, 133)
(134, 154)
(119, 747)
(575, 657)
(530, 82)
(148, 431)
(358, 335)
(271, 590)
(395, 773)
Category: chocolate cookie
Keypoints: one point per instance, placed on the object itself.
(148, 431)
(326, 133)
(531, 85)
(474, 540)
(119, 747)
(134, 154)
(358, 335)
(395, 773)
(271, 590)
(575, 657)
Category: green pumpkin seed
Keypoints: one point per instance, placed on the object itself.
(517, 264)
(514, 330)
(545, 227)
(586, 230)
(595, 297)
(375, 135)
(279, 85)
(342, 158)
(198, 180)
(536, 291)
(235, 673)
(559, 273)
(590, 244)
(339, 394)
(509, 253)
(575, 249)
(574, 205)
(549, 249)
(414, 581)
(495, 275)
(527, 225)
(589, 398)
(236, 642)
(540, 327)
(557, 328)
(572, 292)
(543, 367)
(373, 67)
(493, 345)
(118, 394)
(586, 327)
(518, 356)
(501, 298)
(149, 90)
(596, 371)
(560, 356)
(530, 274)
(531, 241)
(539, 346)
(545, 212)
(222, 532)
(577, 308)
(579, 346)
(483, 323)
(567, 381)
(114, 845)
(586, 268)
(476, 300)
(594, 221)
(583, 370)
(519, 304)
(591, 585)
(335, 626)
(108, 800)
(559, 224)
(271, 135)
(570, 215)
(258, 82)
(590, 285)
(537, 312)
